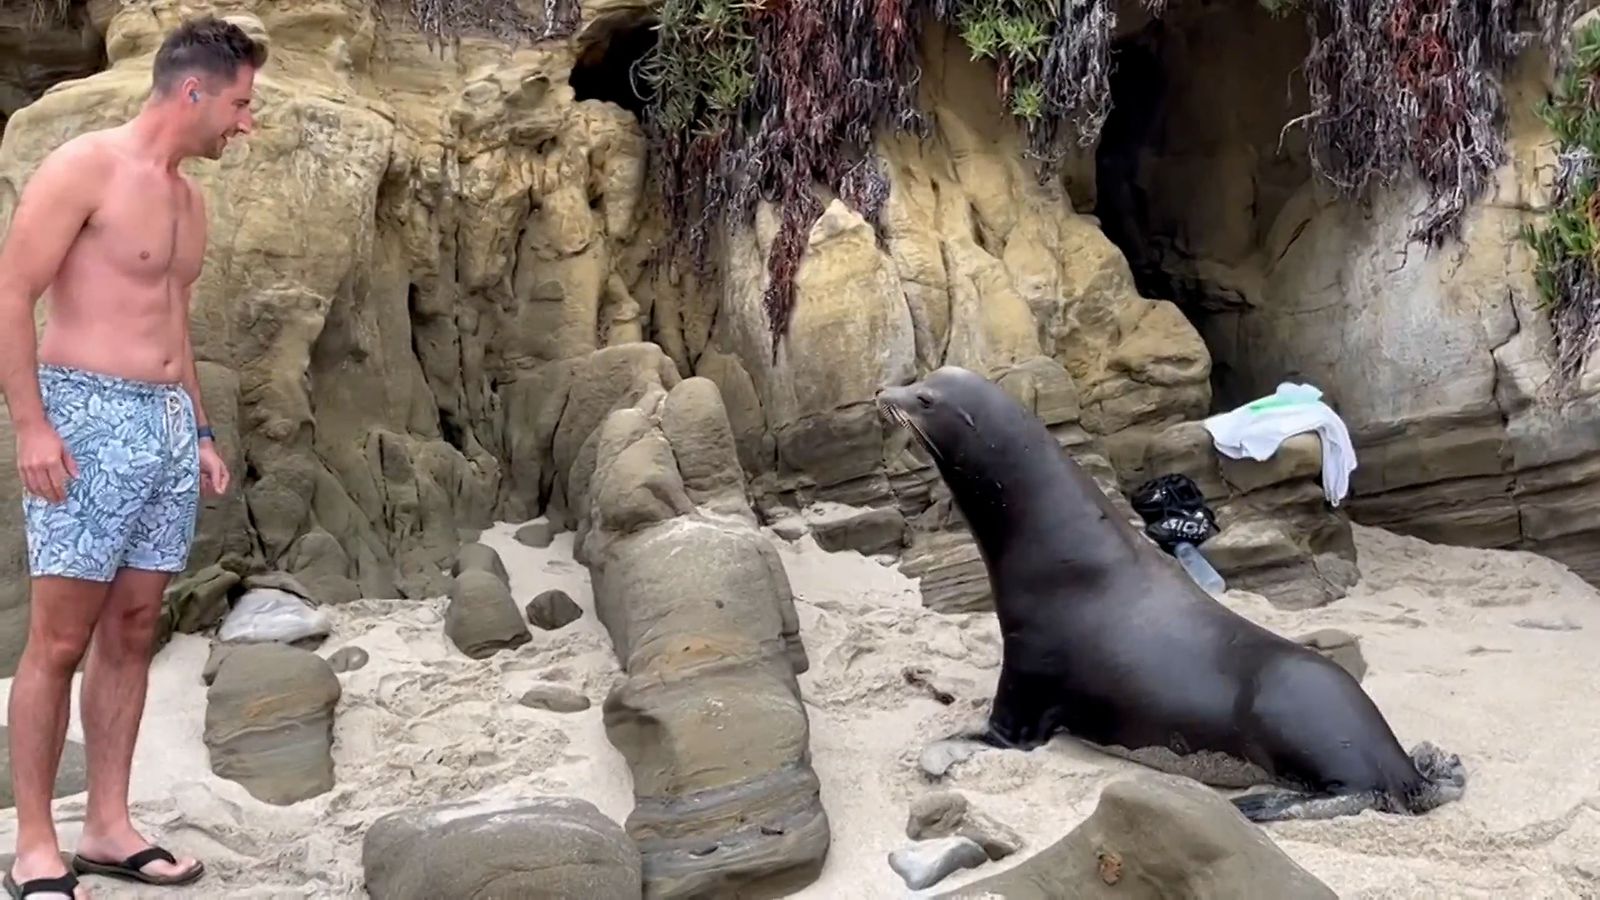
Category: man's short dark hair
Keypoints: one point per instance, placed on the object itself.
(206, 46)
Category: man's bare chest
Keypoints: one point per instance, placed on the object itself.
(150, 228)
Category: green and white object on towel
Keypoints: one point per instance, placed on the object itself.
(1256, 429)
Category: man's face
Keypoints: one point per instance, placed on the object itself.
(224, 112)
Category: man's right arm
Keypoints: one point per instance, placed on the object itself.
(55, 203)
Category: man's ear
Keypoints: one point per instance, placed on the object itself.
(190, 90)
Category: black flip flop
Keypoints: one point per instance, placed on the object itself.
(130, 868)
(61, 884)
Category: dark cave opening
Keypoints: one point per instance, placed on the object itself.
(37, 54)
(607, 68)
(1133, 122)
(1195, 164)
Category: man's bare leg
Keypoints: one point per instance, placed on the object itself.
(115, 681)
(61, 619)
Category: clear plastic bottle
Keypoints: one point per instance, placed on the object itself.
(1199, 568)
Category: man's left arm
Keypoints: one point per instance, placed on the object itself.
(191, 375)
(212, 468)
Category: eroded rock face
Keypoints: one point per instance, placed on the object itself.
(417, 254)
(1440, 362)
(700, 612)
(400, 235)
(978, 265)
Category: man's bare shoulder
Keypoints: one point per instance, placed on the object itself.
(82, 161)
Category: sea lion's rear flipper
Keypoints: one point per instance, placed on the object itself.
(1278, 805)
(1444, 778)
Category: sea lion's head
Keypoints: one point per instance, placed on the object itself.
(951, 412)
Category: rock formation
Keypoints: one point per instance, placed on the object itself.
(420, 245)
(1156, 835)
(698, 607)
(389, 354)
(555, 847)
(1440, 361)
(269, 721)
(481, 619)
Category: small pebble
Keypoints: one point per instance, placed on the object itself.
(927, 863)
(552, 610)
(347, 659)
(555, 698)
(537, 535)
(939, 756)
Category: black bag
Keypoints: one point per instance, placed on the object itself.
(1174, 511)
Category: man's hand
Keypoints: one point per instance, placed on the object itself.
(213, 471)
(43, 462)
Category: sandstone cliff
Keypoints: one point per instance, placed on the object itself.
(418, 243)
(420, 249)
(1440, 362)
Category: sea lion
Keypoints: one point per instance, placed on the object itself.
(1108, 639)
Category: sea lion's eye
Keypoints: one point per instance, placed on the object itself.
(924, 400)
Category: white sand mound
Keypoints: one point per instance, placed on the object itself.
(1490, 654)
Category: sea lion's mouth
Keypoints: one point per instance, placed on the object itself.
(892, 413)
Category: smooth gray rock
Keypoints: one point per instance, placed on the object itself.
(542, 848)
(1155, 836)
(269, 721)
(926, 863)
(481, 618)
(553, 610)
(537, 535)
(348, 659)
(481, 558)
(555, 698)
(947, 814)
(71, 776)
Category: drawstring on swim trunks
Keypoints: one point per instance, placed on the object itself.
(174, 420)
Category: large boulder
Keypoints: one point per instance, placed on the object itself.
(269, 721)
(1154, 836)
(701, 615)
(551, 848)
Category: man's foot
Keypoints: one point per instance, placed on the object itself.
(42, 877)
(132, 858)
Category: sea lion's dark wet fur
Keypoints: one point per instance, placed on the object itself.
(1107, 638)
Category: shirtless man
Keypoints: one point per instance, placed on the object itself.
(112, 442)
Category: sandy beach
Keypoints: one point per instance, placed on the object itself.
(1489, 654)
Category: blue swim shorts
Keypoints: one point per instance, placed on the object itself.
(137, 494)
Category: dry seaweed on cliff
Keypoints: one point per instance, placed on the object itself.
(773, 101)
(449, 20)
(768, 102)
(46, 13)
(1413, 86)
(1567, 244)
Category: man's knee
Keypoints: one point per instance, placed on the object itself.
(61, 621)
(135, 626)
(133, 611)
(56, 653)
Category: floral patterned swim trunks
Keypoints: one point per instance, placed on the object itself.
(137, 494)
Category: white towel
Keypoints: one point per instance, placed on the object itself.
(1258, 427)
